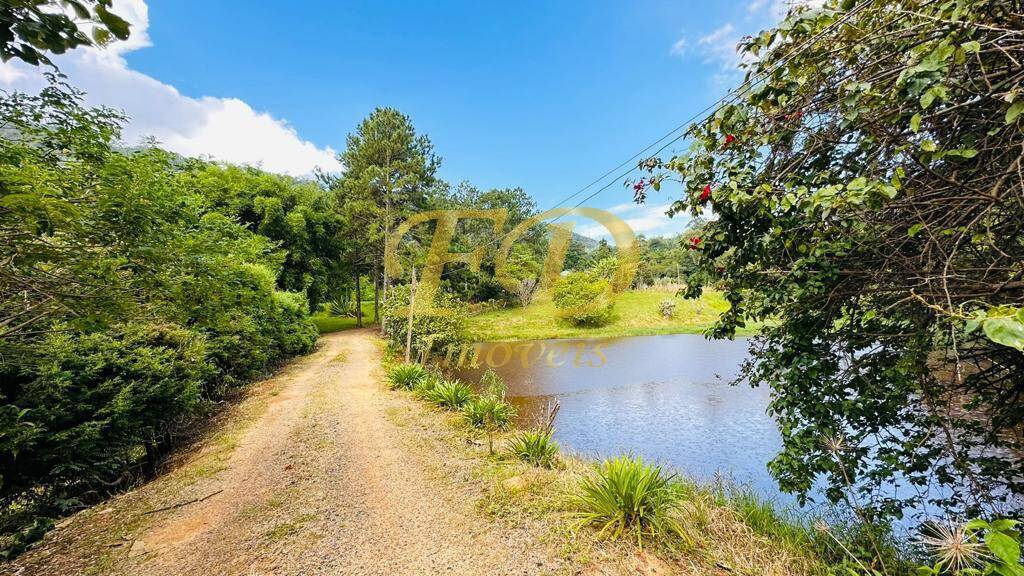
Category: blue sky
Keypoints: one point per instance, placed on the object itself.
(543, 95)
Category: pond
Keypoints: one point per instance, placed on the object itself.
(666, 398)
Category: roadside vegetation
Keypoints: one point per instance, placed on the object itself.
(608, 511)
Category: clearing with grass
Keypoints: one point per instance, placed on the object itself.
(636, 313)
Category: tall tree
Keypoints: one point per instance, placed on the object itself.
(869, 198)
(388, 170)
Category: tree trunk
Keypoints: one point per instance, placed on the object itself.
(412, 306)
(376, 290)
(359, 303)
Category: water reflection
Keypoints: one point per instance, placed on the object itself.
(667, 398)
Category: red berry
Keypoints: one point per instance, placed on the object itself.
(706, 194)
(729, 138)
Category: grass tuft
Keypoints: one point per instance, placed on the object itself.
(406, 376)
(450, 394)
(489, 412)
(535, 447)
(626, 497)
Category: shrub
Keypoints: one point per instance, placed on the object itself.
(489, 412)
(436, 330)
(534, 446)
(450, 394)
(624, 496)
(406, 376)
(426, 384)
(667, 308)
(584, 299)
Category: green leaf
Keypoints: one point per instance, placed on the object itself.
(915, 122)
(963, 152)
(927, 98)
(1005, 330)
(928, 146)
(915, 230)
(1014, 110)
(1003, 547)
(973, 46)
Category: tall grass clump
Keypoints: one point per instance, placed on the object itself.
(406, 376)
(450, 394)
(487, 412)
(626, 497)
(490, 411)
(424, 385)
(535, 447)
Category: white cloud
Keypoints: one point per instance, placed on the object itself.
(9, 73)
(720, 46)
(649, 220)
(756, 5)
(679, 48)
(224, 129)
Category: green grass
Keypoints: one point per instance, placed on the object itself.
(326, 323)
(636, 314)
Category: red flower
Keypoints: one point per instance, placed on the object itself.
(695, 242)
(639, 186)
(706, 194)
(728, 139)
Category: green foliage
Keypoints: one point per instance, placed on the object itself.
(625, 497)
(584, 299)
(28, 28)
(535, 446)
(489, 412)
(406, 376)
(867, 201)
(127, 306)
(425, 385)
(449, 394)
(434, 330)
(300, 217)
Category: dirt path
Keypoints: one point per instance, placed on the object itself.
(320, 474)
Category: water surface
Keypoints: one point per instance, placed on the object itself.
(667, 398)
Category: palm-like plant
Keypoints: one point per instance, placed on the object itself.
(535, 446)
(406, 376)
(625, 496)
(450, 394)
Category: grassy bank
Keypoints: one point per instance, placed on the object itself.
(327, 323)
(636, 314)
(702, 528)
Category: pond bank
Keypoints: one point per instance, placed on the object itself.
(636, 314)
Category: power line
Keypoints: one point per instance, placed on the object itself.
(730, 97)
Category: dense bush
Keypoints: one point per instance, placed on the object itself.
(584, 299)
(128, 306)
(442, 326)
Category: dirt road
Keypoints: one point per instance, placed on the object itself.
(320, 471)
